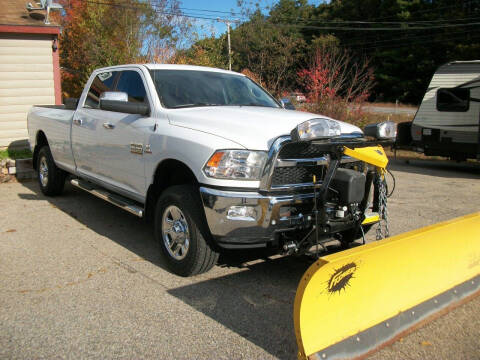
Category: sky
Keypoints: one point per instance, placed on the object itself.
(209, 26)
(217, 8)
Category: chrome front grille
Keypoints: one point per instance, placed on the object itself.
(293, 165)
(301, 150)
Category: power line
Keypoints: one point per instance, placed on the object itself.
(373, 45)
(130, 7)
(340, 28)
(417, 22)
(300, 19)
(380, 28)
(456, 5)
(434, 10)
(357, 44)
(212, 11)
(304, 20)
(411, 43)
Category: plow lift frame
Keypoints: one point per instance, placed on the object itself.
(360, 148)
(369, 151)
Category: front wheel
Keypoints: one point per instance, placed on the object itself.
(182, 232)
(50, 178)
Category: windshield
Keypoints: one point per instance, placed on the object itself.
(191, 88)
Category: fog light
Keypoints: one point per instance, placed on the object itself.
(245, 213)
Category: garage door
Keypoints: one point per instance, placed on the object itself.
(26, 79)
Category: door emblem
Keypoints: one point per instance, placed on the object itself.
(148, 149)
(136, 148)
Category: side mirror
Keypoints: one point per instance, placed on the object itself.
(287, 104)
(383, 131)
(117, 101)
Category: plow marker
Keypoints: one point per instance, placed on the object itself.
(350, 303)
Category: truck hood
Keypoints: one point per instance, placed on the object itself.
(254, 128)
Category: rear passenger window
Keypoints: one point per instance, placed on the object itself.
(131, 83)
(102, 82)
(453, 99)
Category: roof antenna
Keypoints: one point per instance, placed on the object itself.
(44, 5)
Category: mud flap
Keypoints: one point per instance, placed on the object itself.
(351, 302)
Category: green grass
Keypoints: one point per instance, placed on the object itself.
(15, 154)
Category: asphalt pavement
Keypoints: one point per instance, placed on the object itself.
(80, 278)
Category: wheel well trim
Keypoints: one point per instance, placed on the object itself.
(39, 142)
(155, 188)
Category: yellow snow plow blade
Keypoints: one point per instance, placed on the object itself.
(349, 303)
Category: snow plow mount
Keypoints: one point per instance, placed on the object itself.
(371, 153)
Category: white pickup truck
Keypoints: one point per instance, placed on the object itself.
(211, 157)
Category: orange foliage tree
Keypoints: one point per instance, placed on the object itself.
(107, 32)
(337, 84)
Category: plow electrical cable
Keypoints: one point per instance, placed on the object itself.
(394, 183)
(350, 303)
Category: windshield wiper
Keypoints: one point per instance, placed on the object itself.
(193, 105)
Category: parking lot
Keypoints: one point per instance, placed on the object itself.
(80, 278)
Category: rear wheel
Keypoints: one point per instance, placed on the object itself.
(182, 232)
(50, 178)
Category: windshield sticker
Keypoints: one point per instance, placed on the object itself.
(105, 76)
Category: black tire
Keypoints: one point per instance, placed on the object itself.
(200, 255)
(51, 179)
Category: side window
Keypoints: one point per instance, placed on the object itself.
(102, 82)
(131, 83)
(453, 99)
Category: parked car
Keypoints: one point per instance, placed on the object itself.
(209, 156)
(287, 104)
(298, 97)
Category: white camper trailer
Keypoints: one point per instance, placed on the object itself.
(447, 121)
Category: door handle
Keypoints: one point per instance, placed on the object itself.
(108, 126)
(77, 122)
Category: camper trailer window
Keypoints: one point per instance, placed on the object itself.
(453, 99)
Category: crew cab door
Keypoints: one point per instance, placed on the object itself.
(86, 121)
(120, 139)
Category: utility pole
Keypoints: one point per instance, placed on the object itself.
(227, 22)
(229, 48)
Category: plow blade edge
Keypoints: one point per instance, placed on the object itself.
(349, 303)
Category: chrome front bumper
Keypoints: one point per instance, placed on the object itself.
(263, 221)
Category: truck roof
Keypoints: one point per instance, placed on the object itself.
(174, 67)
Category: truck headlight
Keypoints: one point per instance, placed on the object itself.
(236, 164)
(316, 129)
(385, 130)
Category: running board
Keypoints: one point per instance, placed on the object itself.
(114, 199)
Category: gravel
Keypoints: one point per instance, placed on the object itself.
(80, 278)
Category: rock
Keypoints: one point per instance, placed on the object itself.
(5, 178)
